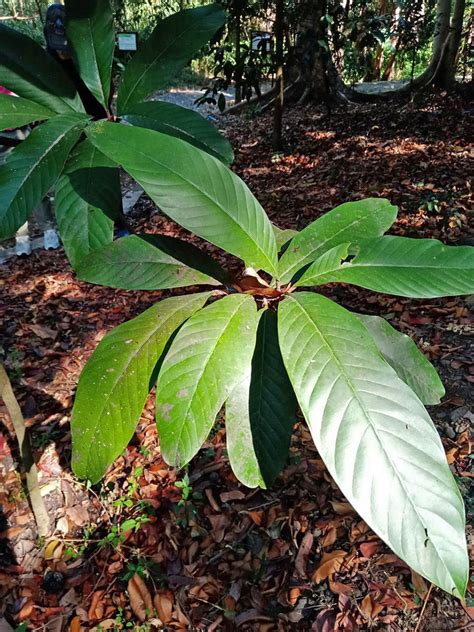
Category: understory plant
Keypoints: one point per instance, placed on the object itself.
(267, 341)
(57, 156)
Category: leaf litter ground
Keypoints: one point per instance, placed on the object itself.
(152, 548)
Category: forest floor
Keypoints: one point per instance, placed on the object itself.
(156, 548)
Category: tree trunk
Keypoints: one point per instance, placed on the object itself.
(312, 51)
(446, 76)
(278, 108)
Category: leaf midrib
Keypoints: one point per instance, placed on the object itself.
(367, 417)
(204, 365)
(211, 199)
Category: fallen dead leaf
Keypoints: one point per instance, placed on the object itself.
(330, 563)
(369, 608)
(163, 602)
(140, 598)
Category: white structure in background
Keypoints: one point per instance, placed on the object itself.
(43, 213)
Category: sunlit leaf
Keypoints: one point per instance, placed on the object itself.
(116, 381)
(375, 438)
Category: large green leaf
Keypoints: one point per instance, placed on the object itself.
(33, 167)
(90, 31)
(30, 72)
(346, 223)
(171, 45)
(16, 112)
(418, 268)
(133, 263)
(375, 438)
(272, 407)
(194, 189)
(209, 357)
(115, 383)
(239, 440)
(86, 199)
(182, 123)
(408, 361)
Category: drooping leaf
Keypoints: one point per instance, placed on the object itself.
(375, 438)
(33, 167)
(406, 359)
(194, 189)
(30, 72)
(418, 268)
(90, 32)
(272, 407)
(208, 358)
(183, 123)
(239, 440)
(133, 263)
(168, 49)
(16, 112)
(283, 235)
(328, 262)
(89, 177)
(346, 223)
(115, 383)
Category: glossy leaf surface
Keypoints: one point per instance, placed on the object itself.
(29, 71)
(194, 189)
(346, 223)
(133, 263)
(90, 31)
(183, 123)
(116, 381)
(168, 49)
(209, 357)
(418, 268)
(406, 359)
(87, 197)
(16, 112)
(375, 438)
(33, 167)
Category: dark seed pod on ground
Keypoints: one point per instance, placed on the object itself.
(53, 582)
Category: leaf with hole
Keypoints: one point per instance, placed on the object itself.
(348, 222)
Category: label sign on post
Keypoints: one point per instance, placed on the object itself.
(127, 41)
(261, 42)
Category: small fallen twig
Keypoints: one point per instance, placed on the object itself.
(27, 465)
(425, 603)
